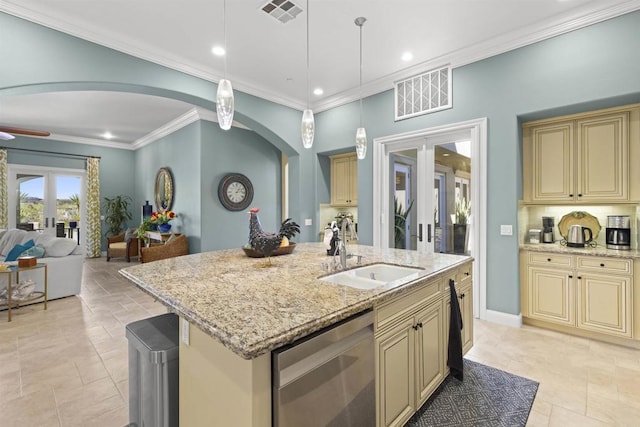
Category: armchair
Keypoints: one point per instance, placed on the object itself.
(175, 247)
(119, 246)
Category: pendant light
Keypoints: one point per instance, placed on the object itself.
(224, 97)
(361, 134)
(308, 125)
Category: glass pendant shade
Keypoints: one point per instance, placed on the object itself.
(224, 104)
(361, 143)
(307, 128)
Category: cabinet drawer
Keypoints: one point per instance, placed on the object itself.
(605, 265)
(550, 259)
(389, 312)
(464, 273)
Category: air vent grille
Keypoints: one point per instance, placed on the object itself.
(423, 94)
(282, 10)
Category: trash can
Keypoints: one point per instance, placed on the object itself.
(153, 371)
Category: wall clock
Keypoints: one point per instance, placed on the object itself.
(235, 191)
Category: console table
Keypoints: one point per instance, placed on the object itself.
(15, 270)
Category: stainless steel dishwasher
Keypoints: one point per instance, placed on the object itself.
(327, 379)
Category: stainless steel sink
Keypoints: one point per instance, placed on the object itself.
(372, 276)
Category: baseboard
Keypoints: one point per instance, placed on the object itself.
(514, 320)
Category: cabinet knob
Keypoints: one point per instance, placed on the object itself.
(415, 327)
(579, 277)
(579, 195)
(602, 265)
(570, 276)
(466, 273)
(570, 195)
(419, 325)
(549, 259)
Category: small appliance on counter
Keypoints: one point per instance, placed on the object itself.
(547, 229)
(534, 235)
(579, 229)
(577, 236)
(618, 232)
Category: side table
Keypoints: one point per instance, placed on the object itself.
(158, 237)
(15, 269)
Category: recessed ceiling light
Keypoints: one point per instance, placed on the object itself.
(318, 91)
(107, 135)
(218, 51)
(407, 56)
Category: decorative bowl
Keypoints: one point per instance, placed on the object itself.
(282, 250)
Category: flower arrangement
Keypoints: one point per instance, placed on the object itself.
(162, 217)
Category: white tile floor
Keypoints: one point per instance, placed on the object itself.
(68, 365)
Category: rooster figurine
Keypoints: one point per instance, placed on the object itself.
(265, 242)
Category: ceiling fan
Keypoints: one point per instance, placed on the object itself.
(6, 133)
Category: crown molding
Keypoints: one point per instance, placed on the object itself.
(142, 51)
(527, 35)
(492, 47)
(186, 119)
(87, 141)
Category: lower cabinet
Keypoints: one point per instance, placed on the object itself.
(584, 292)
(412, 334)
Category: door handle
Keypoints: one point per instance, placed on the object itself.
(429, 233)
(46, 222)
(419, 232)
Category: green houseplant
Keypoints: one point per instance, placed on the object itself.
(116, 212)
(460, 229)
(400, 222)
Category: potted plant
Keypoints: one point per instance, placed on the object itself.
(461, 217)
(116, 211)
(162, 220)
(400, 222)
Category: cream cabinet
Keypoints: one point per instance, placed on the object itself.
(582, 158)
(344, 180)
(589, 293)
(411, 335)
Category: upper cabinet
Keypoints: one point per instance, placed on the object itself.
(583, 159)
(344, 180)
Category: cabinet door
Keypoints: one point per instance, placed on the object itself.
(549, 163)
(396, 373)
(429, 344)
(353, 180)
(604, 304)
(465, 298)
(603, 158)
(344, 180)
(551, 295)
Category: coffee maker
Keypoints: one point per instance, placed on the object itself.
(547, 229)
(618, 232)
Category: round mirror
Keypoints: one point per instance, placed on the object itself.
(164, 190)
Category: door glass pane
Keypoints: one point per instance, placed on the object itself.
(30, 201)
(403, 236)
(68, 200)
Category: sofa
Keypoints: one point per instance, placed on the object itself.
(63, 256)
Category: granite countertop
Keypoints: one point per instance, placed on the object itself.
(253, 310)
(597, 251)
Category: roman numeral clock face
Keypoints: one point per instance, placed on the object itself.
(235, 192)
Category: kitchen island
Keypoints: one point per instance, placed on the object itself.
(241, 312)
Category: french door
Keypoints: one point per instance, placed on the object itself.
(50, 200)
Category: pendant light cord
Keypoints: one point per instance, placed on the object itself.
(308, 55)
(360, 22)
(224, 30)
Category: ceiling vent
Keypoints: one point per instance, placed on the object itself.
(282, 10)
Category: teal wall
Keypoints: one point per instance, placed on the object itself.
(244, 152)
(180, 152)
(594, 67)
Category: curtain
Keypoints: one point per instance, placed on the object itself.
(4, 196)
(94, 230)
